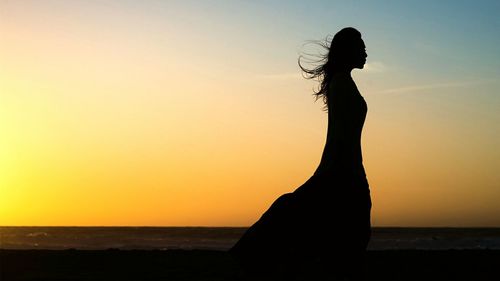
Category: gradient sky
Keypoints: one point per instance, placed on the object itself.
(194, 113)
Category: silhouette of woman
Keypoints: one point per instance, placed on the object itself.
(323, 227)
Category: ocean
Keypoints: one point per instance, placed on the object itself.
(222, 238)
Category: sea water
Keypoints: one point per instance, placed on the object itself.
(222, 238)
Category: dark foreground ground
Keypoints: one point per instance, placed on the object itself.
(214, 265)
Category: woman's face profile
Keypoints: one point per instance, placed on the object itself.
(359, 54)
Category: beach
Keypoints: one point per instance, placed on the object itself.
(204, 265)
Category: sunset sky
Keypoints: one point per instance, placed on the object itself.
(195, 113)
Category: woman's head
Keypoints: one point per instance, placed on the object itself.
(345, 52)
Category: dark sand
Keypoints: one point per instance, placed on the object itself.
(215, 265)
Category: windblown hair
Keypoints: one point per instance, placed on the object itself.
(337, 55)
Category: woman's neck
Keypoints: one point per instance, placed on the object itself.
(342, 73)
(342, 70)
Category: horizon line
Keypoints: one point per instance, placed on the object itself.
(201, 226)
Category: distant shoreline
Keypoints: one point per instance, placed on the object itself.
(222, 238)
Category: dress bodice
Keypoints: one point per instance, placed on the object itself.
(346, 116)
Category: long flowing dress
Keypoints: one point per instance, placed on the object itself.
(328, 217)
